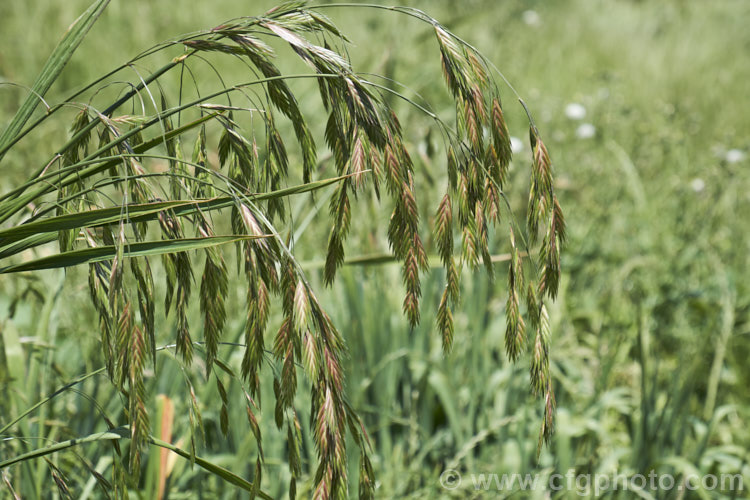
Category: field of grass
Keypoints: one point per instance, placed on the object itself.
(643, 106)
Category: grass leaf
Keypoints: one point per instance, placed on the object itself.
(52, 69)
(141, 249)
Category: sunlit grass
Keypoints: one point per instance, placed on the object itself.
(650, 332)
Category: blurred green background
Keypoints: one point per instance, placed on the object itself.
(644, 109)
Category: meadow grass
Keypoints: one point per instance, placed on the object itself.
(650, 329)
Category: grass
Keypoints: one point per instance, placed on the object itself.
(650, 329)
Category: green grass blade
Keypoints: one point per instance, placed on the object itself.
(119, 433)
(132, 213)
(26, 243)
(124, 433)
(32, 233)
(141, 249)
(217, 470)
(52, 69)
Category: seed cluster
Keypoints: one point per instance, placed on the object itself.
(369, 152)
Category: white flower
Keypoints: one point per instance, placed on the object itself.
(585, 131)
(697, 184)
(531, 17)
(575, 111)
(516, 145)
(734, 156)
